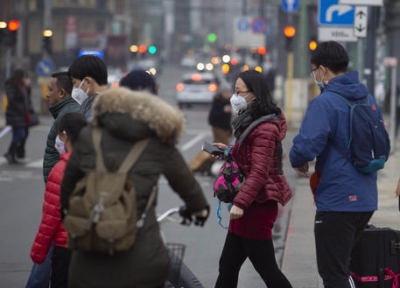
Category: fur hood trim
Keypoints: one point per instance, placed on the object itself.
(164, 119)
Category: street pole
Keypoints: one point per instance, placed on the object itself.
(360, 57)
(8, 62)
(290, 65)
(302, 71)
(393, 107)
(46, 23)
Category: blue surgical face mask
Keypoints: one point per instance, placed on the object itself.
(78, 94)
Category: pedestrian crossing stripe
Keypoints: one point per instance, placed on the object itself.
(35, 164)
(30, 164)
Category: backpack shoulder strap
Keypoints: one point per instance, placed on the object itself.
(96, 135)
(133, 155)
(351, 103)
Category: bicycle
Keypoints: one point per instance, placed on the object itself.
(180, 275)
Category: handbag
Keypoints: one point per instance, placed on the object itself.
(32, 118)
(230, 179)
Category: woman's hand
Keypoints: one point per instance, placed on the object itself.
(221, 146)
(235, 212)
(398, 188)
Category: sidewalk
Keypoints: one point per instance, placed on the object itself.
(299, 260)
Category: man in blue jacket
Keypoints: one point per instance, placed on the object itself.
(345, 198)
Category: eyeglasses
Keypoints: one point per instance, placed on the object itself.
(241, 92)
(313, 72)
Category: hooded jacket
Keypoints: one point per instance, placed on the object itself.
(258, 158)
(324, 134)
(51, 228)
(51, 155)
(126, 117)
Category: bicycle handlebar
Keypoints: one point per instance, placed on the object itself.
(166, 215)
(186, 217)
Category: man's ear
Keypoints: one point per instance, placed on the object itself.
(89, 80)
(62, 93)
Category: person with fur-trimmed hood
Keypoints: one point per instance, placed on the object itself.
(126, 117)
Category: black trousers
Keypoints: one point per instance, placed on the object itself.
(261, 254)
(59, 267)
(336, 233)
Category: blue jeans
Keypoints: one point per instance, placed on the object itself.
(41, 273)
(20, 133)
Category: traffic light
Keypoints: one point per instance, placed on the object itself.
(47, 44)
(11, 38)
(152, 49)
(211, 37)
(312, 45)
(262, 50)
(142, 49)
(289, 33)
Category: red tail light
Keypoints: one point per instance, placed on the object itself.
(179, 87)
(212, 87)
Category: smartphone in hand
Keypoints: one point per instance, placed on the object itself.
(212, 149)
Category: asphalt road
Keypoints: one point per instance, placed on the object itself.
(22, 186)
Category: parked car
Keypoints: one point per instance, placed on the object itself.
(196, 88)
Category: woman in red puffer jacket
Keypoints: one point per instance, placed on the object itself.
(259, 129)
(51, 228)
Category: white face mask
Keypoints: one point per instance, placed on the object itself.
(238, 103)
(60, 145)
(321, 84)
(78, 94)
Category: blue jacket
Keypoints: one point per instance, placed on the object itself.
(341, 187)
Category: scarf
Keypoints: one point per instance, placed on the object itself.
(240, 123)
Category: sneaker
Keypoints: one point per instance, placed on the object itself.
(10, 159)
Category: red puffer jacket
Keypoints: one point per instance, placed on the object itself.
(258, 159)
(51, 228)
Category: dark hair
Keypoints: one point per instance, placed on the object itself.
(139, 80)
(257, 84)
(63, 81)
(72, 123)
(331, 55)
(18, 76)
(89, 66)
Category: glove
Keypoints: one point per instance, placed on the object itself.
(201, 219)
(186, 216)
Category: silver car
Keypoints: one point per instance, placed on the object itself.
(196, 88)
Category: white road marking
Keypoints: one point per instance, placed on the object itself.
(35, 164)
(192, 142)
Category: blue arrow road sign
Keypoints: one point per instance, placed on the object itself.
(45, 68)
(331, 13)
(290, 6)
